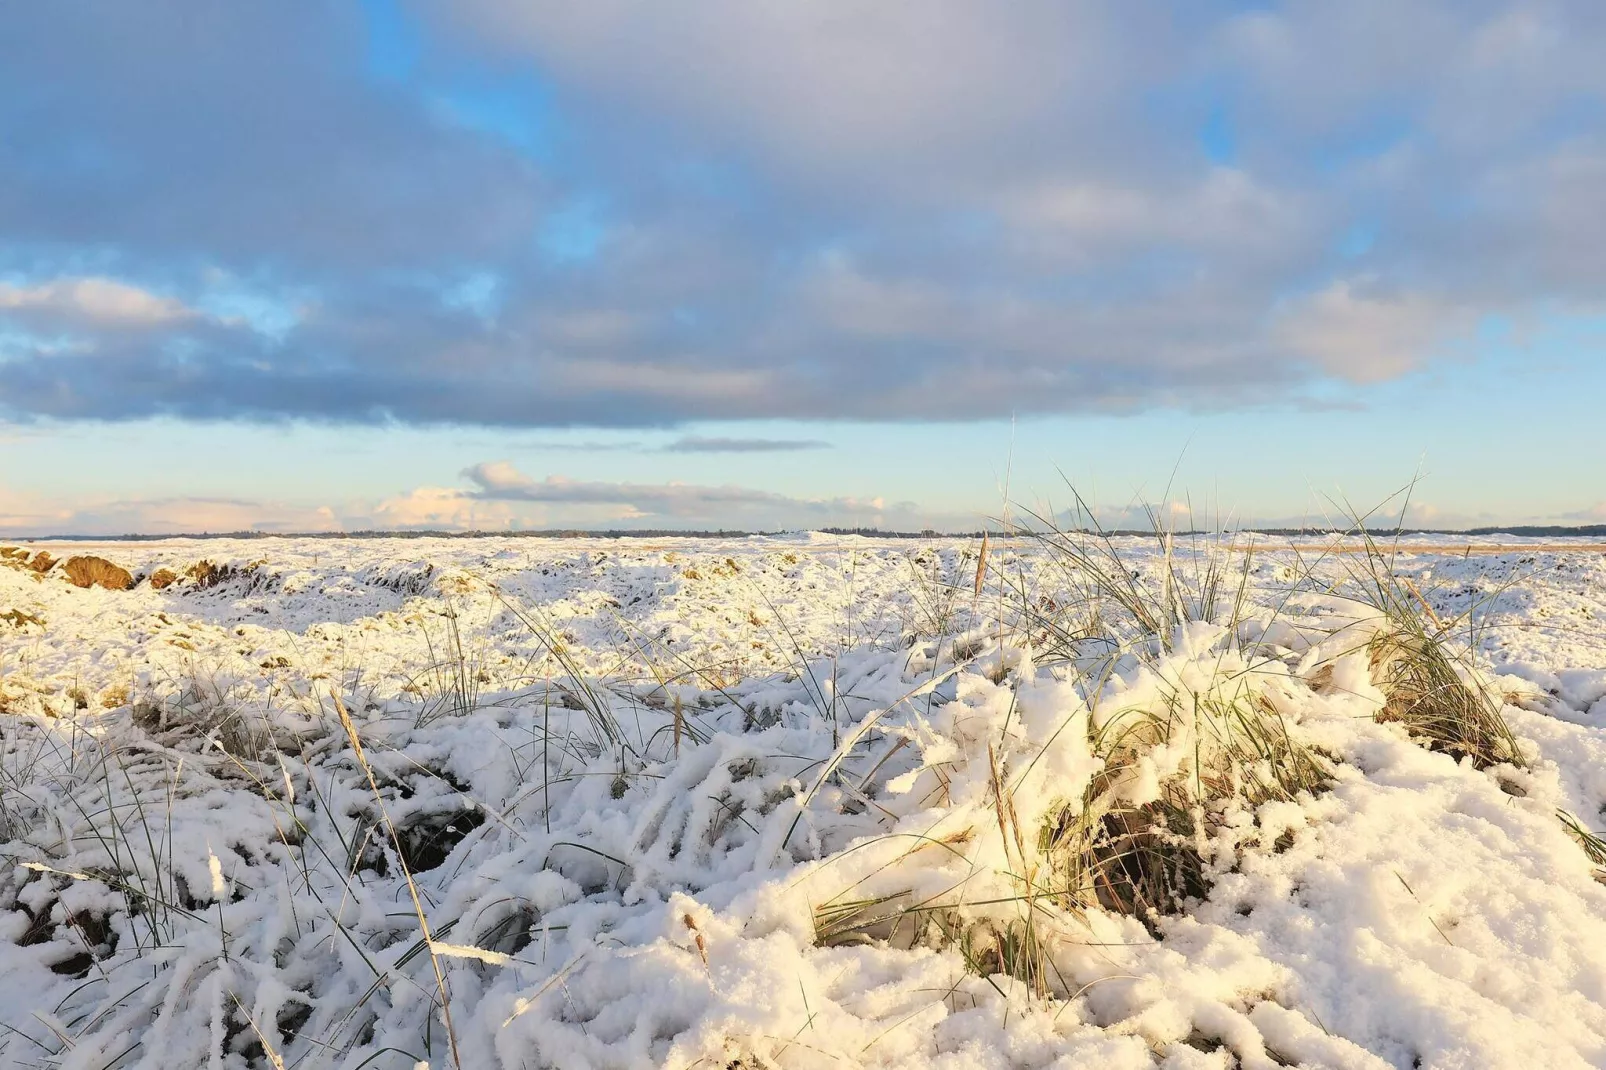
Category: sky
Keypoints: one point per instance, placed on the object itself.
(752, 264)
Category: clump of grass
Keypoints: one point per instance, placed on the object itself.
(1106, 604)
(1431, 685)
(1436, 703)
(1149, 858)
(1182, 759)
(1593, 844)
(1193, 744)
(581, 693)
(205, 575)
(455, 676)
(1146, 858)
(936, 591)
(442, 992)
(204, 708)
(1143, 852)
(86, 570)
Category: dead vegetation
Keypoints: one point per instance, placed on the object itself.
(1436, 703)
(205, 575)
(86, 570)
(1145, 860)
(18, 558)
(1431, 683)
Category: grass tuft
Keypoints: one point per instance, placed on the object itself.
(1431, 682)
(1593, 844)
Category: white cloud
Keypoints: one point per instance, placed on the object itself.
(1223, 210)
(505, 499)
(96, 299)
(103, 515)
(495, 476)
(1365, 336)
(440, 507)
(500, 481)
(30, 512)
(1594, 514)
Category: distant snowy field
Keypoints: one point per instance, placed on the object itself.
(707, 803)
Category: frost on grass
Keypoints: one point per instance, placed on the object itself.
(1002, 823)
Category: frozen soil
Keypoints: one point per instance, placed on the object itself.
(776, 802)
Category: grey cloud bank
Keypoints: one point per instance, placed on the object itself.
(905, 211)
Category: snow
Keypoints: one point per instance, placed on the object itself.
(661, 801)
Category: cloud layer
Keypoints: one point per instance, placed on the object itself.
(545, 214)
(497, 496)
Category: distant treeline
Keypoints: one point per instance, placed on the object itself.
(1520, 530)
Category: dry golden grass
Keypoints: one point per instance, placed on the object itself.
(206, 574)
(1435, 704)
(89, 571)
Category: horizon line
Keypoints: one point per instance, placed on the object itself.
(1515, 530)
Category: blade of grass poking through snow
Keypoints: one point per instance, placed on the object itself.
(412, 886)
(818, 695)
(852, 740)
(646, 650)
(262, 1038)
(597, 711)
(1100, 570)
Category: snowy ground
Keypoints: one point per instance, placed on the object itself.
(658, 801)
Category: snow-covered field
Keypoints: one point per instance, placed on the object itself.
(790, 802)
